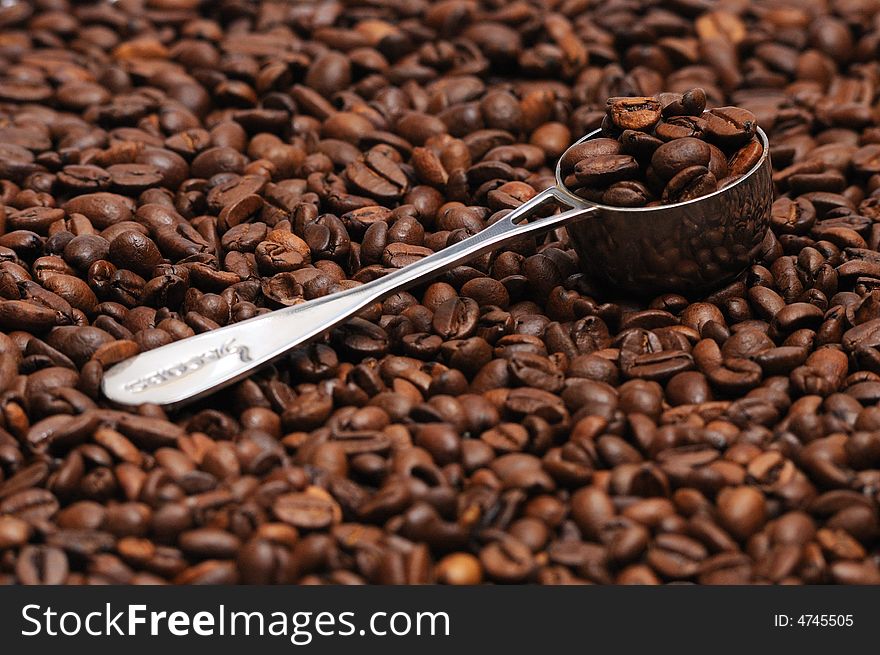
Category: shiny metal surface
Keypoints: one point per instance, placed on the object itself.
(190, 368)
(686, 247)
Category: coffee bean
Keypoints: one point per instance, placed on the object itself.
(23, 315)
(41, 565)
(730, 126)
(135, 251)
(209, 542)
(591, 509)
(456, 318)
(690, 103)
(690, 183)
(587, 149)
(681, 127)
(674, 156)
(459, 569)
(507, 560)
(634, 113)
(688, 388)
(671, 157)
(640, 145)
(676, 557)
(535, 371)
(629, 193)
(307, 510)
(746, 157)
(605, 169)
(742, 510)
(13, 532)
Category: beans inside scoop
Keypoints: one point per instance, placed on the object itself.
(662, 150)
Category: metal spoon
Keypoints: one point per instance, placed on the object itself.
(685, 246)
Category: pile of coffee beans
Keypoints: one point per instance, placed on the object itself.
(171, 166)
(662, 150)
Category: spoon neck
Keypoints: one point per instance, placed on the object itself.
(501, 231)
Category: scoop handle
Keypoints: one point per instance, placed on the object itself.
(193, 367)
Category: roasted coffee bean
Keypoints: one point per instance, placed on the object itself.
(688, 388)
(742, 510)
(310, 510)
(41, 565)
(744, 159)
(681, 127)
(730, 126)
(605, 169)
(674, 156)
(634, 113)
(459, 569)
(690, 103)
(675, 556)
(628, 193)
(592, 148)
(508, 560)
(685, 157)
(134, 251)
(14, 532)
(456, 318)
(690, 183)
(640, 145)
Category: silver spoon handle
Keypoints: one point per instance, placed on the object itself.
(192, 367)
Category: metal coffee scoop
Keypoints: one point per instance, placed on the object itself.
(687, 246)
